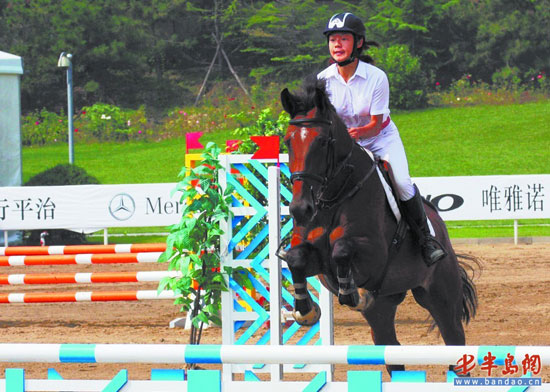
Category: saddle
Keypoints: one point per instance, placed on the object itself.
(385, 173)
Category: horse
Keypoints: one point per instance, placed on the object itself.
(343, 223)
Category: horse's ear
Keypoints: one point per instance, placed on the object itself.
(320, 100)
(288, 102)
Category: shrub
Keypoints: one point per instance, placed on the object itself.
(108, 122)
(507, 78)
(408, 83)
(63, 174)
(467, 92)
(266, 123)
(43, 127)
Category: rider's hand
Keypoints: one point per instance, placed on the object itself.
(355, 133)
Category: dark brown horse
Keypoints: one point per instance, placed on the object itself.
(343, 222)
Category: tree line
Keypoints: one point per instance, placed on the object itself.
(157, 52)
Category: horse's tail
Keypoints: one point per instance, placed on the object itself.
(469, 293)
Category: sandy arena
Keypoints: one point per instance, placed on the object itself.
(513, 309)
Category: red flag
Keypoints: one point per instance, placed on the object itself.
(268, 147)
(232, 145)
(192, 140)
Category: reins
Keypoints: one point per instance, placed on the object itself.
(321, 201)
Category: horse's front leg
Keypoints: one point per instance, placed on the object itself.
(306, 311)
(342, 253)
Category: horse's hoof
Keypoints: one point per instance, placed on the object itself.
(309, 318)
(351, 300)
(366, 300)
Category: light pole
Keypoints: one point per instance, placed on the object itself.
(65, 62)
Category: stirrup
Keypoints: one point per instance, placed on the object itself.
(432, 252)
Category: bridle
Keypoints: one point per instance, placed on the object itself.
(343, 168)
(310, 123)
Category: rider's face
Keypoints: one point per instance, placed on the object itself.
(340, 46)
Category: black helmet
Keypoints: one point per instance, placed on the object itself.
(345, 22)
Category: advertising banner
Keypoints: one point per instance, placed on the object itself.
(142, 205)
(88, 206)
(488, 197)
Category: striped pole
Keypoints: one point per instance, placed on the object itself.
(76, 249)
(84, 277)
(243, 354)
(86, 258)
(85, 296)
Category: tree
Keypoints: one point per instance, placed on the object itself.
(193, 246)
(156, 52)
(284, 39)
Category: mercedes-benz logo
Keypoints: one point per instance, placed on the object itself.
(122, 207)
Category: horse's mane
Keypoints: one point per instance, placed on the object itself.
(312, 88)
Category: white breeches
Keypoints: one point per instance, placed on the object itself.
(389, 147)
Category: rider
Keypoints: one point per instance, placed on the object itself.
(360, 93)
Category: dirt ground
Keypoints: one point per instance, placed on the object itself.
(513, 309)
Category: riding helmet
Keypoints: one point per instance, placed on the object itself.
(345, 22)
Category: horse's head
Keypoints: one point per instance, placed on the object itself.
(311, 138)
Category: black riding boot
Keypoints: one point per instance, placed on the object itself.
(431, 250)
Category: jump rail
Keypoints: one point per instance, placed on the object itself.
(241, 354)
(85, 296)
(71, 255)
(76, 249)
(84, 258)
(87, 277)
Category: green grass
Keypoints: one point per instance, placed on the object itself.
(117, 163)
(498, 228)
(477, 140)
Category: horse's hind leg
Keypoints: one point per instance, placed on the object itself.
(446, 310)
(381, 318)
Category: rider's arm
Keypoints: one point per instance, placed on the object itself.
(372, 129)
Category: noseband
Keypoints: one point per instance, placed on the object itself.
(309, 122)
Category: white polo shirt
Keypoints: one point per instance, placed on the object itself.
(367, 93)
